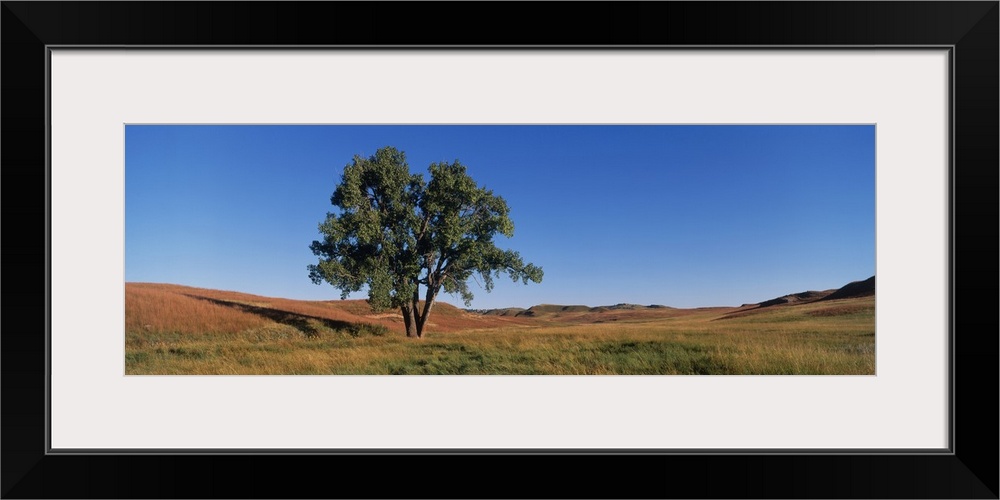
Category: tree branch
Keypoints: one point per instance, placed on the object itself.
(474, 278)
(440, 265)
(423, 227)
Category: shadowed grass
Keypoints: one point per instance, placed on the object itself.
(301, 322)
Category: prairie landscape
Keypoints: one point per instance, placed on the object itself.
(175, 330)
(693, 248)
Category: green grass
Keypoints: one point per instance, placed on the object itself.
(835, 337)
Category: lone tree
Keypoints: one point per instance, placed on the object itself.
(393, 232)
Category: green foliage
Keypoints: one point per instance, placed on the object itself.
(361, 329)
(393, 232)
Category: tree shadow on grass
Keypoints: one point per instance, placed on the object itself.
(296, 320)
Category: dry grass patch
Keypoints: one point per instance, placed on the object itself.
(186, 331)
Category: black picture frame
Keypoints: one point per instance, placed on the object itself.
(970, 29)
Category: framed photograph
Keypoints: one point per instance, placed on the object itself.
(713, 172)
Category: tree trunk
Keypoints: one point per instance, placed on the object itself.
(415, 315)
(409, 322)
(421, 317)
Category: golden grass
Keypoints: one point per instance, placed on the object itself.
(174, 330)
(156, 309)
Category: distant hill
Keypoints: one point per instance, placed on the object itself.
(849, 291)
(507, 311)
(553, 309)
(795, 298)
(556, 309)
(854, 289)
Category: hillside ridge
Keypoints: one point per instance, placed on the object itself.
(171, 306)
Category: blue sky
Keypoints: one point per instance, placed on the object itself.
(684, 216)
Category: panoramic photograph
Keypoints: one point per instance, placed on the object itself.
(499, 250)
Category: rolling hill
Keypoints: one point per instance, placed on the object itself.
(175, 329)
(183, 309)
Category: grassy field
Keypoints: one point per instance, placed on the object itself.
(171, 330)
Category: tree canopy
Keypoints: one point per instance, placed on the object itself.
(393, 232)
